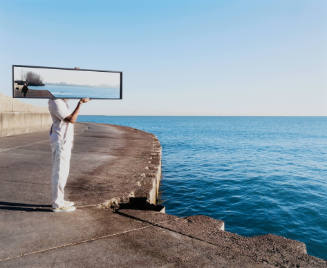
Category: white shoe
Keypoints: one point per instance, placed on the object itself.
(68, 203)
(64, 209)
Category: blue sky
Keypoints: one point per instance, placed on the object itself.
(227, 57)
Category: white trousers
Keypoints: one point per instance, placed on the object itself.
(61, 153)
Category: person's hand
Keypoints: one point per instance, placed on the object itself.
(84, 100)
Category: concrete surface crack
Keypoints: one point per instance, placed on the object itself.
(166, 228)
(77, 243)
(22, 146)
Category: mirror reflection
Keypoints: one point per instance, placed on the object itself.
(65, 83)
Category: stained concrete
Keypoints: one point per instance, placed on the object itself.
(17, 117)
(115, 175)
(9, 104)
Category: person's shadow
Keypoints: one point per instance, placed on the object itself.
(25, 207)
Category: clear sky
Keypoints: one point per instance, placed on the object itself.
(223, 57)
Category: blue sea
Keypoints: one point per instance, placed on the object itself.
(258, 174)
(73, 91)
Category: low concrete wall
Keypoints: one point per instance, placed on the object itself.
(18, 123)
(17, 117)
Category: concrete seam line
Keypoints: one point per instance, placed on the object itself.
(76, 243)
(87, 206)
(22, 146)
(26, 182)
(166, 228)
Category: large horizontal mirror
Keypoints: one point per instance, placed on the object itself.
(65, 83)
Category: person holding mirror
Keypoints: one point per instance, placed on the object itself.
(61, 139)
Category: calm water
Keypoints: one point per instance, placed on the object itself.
(258, 174)
(67, 91)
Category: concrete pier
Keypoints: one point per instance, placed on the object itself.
(114, 180)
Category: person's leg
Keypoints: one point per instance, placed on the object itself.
(67, 149)
(60, 170)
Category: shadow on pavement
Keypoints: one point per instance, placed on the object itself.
(25, 207)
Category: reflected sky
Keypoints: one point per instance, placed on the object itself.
(72, 77)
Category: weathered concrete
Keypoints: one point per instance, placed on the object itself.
(8, 104)
(114, 167)
(96, 175)
(17, 117)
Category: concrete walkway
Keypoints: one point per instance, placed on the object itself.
(114, 165)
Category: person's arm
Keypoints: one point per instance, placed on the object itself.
(73, 116)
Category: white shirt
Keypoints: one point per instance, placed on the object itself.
(61, 131)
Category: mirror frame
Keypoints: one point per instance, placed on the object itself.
(69, 69)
